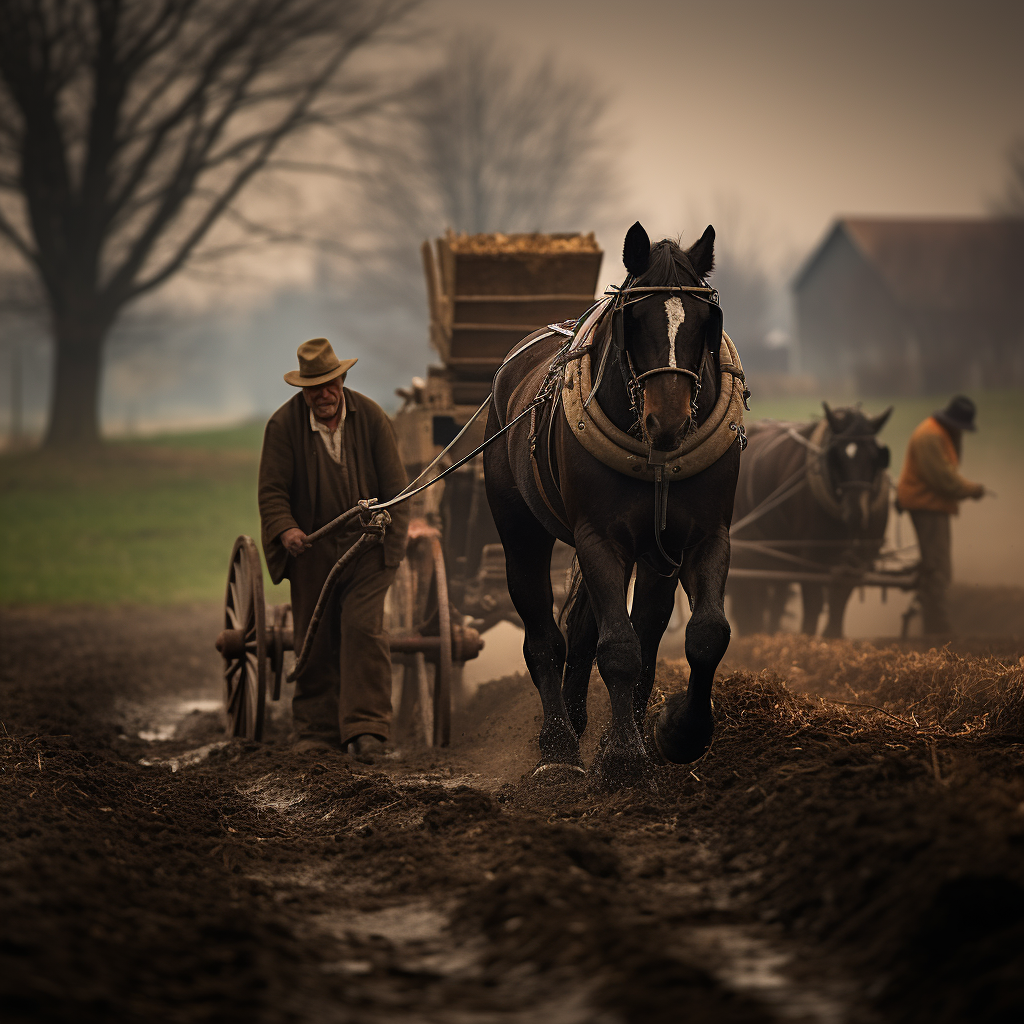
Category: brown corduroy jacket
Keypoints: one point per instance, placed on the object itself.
(288, 474)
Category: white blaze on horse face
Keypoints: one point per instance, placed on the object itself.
(676, 315)
(851, 450)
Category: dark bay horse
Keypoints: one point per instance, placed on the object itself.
(812, 497)
(661, 381)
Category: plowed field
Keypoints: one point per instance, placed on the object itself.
(852, 849)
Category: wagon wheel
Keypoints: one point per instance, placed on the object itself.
(410, 720)
(280, 641)
(419, 601)
(245, 669)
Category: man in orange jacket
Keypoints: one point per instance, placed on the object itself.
(931, 489)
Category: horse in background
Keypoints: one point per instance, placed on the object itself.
(658, 354)
(811, 498)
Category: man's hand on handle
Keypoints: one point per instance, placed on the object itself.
(295, 542)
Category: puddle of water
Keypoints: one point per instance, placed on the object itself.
(409, 922)
(174, 713)
(751, 965)
(189, 757)
(418, 927)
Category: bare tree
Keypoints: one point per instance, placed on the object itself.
(488, 143)
(129, 130)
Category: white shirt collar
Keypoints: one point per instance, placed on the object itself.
(330, 438)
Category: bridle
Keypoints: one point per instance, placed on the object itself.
(627, 294)
(633, 380)
(841, 441)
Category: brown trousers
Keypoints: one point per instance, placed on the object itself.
(936, 572)
(345, 688)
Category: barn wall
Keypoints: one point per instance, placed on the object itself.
(851, 334)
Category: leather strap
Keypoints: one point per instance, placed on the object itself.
(535, 464)
(621, 452)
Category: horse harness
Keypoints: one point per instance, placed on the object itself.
(578, 348)
(813, 474)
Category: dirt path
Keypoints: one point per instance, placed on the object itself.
(826, 862)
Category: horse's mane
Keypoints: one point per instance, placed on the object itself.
(669, 264)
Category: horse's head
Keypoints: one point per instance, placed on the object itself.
(854, 459)
(665, 333)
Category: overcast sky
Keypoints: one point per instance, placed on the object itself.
(788, 113)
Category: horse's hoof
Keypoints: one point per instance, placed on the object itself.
(688, 745)
(546, 766)
(556, 773)
(615, 782)
(615, 769)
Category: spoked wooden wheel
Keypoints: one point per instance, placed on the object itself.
(245, 664)
(411, 719)
(418, 609)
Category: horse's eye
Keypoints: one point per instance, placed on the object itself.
(851, 450)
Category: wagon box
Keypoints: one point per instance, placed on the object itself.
(485, 292)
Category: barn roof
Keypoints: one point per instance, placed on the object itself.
(935, 264)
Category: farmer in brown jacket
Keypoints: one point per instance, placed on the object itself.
(323, 450)
(931, 489)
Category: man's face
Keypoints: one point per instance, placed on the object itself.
(325, 399)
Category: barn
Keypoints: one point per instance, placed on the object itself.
(887, 306)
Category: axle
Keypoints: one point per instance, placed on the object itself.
(466, 643)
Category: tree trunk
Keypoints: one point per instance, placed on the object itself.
(75, 402)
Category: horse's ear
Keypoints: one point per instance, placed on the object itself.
(877, 422)
(636, 251)
(833, 420)
(702, 253)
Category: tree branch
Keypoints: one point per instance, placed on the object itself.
(311, 167)
(293, 119)
(20, 243)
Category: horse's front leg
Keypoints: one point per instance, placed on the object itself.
(654, 600)
(838, 598)
(813, 600)
(623, 760)
(685, 726)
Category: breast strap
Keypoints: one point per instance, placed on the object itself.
(631, 457)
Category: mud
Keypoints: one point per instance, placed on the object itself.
(850, 850)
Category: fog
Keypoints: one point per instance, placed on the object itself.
(769, 121)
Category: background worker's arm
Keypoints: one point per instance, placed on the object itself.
(940, 474)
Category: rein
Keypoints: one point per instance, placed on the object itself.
(812, 474)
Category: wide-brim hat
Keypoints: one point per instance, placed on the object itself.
(958, 415)
(317, 364)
